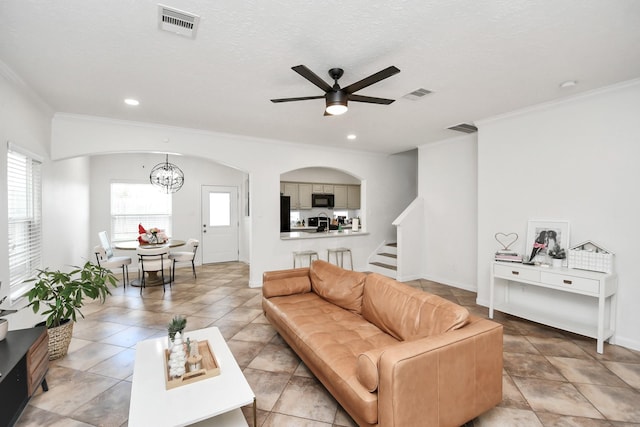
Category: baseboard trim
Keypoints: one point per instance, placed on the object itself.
(625, 342)
(465, 286)
(408, 278)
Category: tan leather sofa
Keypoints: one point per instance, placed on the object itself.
(390, 354)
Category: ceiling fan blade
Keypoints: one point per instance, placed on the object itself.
(303, 98)
(374, 78)
(370, 99)
(312, 77)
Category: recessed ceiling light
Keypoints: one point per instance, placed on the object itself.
(568, 83)
(351, 136)
(132, 102)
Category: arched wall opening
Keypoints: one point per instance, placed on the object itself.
(187, 203)
(303, 188)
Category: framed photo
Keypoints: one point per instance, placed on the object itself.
(546, 236)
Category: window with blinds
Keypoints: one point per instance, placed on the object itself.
(24, 183)
(138, 203)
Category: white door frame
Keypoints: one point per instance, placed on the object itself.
(220, 243)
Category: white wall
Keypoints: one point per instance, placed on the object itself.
(575, 160)
(388, 182)
(26, 121)
(186, 208)
(65, 198)
(447, 181)
(322, 175)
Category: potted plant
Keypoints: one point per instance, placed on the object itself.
(558, 254)
(63, 295)
(177, 324)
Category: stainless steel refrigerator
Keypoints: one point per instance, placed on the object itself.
(285, 208)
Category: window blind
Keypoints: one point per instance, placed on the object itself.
(24, 201)
(137, 203)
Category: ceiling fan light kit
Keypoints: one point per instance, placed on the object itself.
(336, 103)
(336, 98)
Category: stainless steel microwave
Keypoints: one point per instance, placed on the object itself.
(322, 200)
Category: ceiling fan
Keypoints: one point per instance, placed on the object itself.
(336, 98)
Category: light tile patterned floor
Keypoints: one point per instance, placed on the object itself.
(551, 378)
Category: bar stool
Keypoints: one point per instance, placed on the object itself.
(339, 251)
(309, 254)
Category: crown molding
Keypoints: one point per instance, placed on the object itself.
(20, 85)
(558, 102)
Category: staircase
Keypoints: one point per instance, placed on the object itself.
(385, 261)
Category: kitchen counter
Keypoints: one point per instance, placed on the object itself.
(292, 235)
(309, 228)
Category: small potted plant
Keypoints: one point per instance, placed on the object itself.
(63, 295)
(557, 254)
(177, 324)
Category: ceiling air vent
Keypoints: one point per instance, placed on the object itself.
(417, 94)
(177, 21)
(464, 127)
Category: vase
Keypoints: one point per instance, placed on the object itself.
(171, 337)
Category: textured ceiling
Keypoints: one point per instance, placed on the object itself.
(480, 59)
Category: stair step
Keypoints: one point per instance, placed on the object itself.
(393, 245)
(383, 265)
(388, 255)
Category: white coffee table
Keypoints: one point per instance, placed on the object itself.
(213, 401)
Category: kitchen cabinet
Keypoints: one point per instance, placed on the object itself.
(304, 195)
(291, 189)
(353, 197)
(340, 196)
(345, 196)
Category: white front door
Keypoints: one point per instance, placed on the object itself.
(219, 224)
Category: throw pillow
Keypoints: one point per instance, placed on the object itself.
(367, 368)
(338, 286)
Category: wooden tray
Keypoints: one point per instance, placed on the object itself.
(208, 368)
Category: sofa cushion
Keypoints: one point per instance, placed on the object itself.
(407, 313)
(286, 286)
(329, 339)
(367, 368)
(338, 286)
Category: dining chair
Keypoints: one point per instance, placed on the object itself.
(114, 262)
(106, 243)
(184, 256)
(153, 260)
(106, 259)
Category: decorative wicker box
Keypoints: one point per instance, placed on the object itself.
(591, 256)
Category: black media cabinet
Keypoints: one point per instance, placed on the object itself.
(24, 360)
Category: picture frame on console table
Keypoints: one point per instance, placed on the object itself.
(543, 235)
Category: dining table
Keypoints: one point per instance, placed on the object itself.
(152, 276)
(134, 244)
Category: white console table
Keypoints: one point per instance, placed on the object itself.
(579, 301)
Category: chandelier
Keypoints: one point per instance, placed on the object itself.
(167, 177)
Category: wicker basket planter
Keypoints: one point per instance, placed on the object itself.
(62, 294)
(59, 340)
